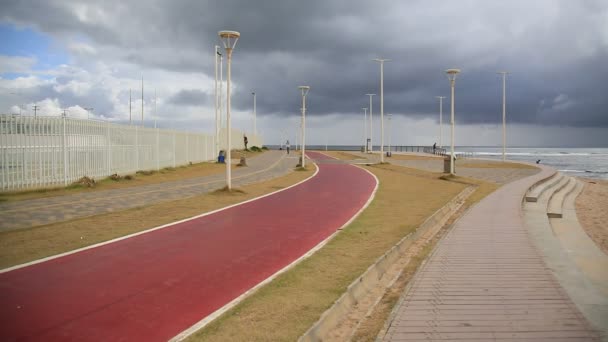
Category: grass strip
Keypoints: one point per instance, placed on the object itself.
(284, 309)
(24, 245)
(139, 178)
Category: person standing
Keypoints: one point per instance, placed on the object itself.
(245, 141)
(287, 146)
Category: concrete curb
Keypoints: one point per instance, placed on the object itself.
(358, 288)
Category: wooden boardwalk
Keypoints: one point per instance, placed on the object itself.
(486, 281)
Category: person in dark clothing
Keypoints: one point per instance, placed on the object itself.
(287, 146)
(245, 141)
(434, 147)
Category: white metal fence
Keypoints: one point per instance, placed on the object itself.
(50, 151)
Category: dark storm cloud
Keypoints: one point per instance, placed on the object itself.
(191, 97)
(556, 51)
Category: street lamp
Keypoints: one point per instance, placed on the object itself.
(217, 55)
(365, 129)
(304, 90)
(255, 130)
(229, 39)
(371, 128)
(381, 61)
(440, 120)
(504, 113)
(451, 73)
(390, 116)
(88, 109)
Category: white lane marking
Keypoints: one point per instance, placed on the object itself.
(210, 318)
(150, 230)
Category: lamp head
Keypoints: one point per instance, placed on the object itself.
(370, 94)
(452, 73)
(229, 38)
(304, 90)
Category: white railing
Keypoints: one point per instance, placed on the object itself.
(53, 151)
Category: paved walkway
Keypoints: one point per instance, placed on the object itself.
(497, 175)
(153, 286)
(486, 281)
(29, 213)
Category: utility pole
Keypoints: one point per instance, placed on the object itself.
(35, 108)
(130, 106)
(504, 113)
(142, 101)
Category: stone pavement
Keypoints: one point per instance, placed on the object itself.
(29, 213)
(486, 281)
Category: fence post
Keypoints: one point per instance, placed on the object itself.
(158, 149)
(109, 146)
(65, 154)
(136, 151)
(173, 148)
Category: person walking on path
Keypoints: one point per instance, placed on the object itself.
(287, 146)
(245, 140)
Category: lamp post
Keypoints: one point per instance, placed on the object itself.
(390, 116)
(371, 128)
(504, 113)
(440, 120)
(381, 61)
(304, 90)
(229, 39)
(130, 101)
(88, 109)
(216, 55)
(365, 129)
(452, 77)
(255, 130)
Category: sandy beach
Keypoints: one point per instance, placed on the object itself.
(592, 211)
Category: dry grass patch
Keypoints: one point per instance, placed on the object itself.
(138, 179)
(414, 157)
(237, 154)
(493, 165)
(24, 245)
(284, 309)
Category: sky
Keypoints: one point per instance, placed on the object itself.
(62, 54)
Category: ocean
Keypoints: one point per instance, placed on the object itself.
(582, 162)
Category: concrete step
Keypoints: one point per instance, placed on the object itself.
(535, 192)
(556, 202)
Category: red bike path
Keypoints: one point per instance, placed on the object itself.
(153, 286)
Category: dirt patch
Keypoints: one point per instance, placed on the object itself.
(24, 245)
(284, 309)
(592, 211)
(482, 164)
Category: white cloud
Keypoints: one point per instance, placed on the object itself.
(16, 64)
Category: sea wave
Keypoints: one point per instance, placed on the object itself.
(584, 171)
(540, 154)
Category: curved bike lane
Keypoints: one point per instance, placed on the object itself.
(153, 286)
